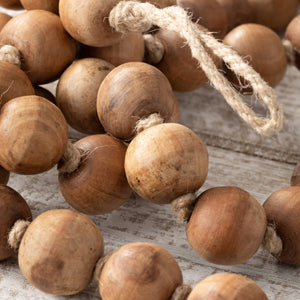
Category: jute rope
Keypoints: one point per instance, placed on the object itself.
(16, 233)
(130, 16)
(100, 265)
(184, 206)
(290, 51)
(182, 292)
(154, 49)
(272, 242)
(149, 121)
(11, 55)
(70, 160)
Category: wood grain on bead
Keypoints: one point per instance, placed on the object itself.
(130, 49)
(11, 4)
(227, 226)
(166, 161)
(131, 92)
(208, 13)
(4, 176)
(79, 104)
(49, 5)
(275, 14)
(140, 271)
(59, 251)
(293, 35)
(44, 93)
(45, 46)
(12, 208)
(14, 83)
(178, 65)
(283, 209)
(33, 135)
(227, 286)
(4, 18)
(99, 185)
(263, 49)
(87, 21)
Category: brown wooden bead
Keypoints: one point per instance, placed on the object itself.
(295, 179)
(238, 12)
(209, 13)
(11, 4)
(4, 176)
(283, 209)
(33, 135)
(263, 49)
(140, 271)
(131, 92)
(4, 18)
(14, 83)
(79, 104)
(44, 93)
(12, 208)
(87, 21)
(227, 286)
(49, 5)
(275, 14)
(99, 185)
(45, 46)
(166, 161)
(293, 34)
(130, 48)
(59, 251)
(181, 69)
(227, 226)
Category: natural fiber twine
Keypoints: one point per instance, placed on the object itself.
(70, 160)
(184, 206)
(272, 242)
(131, 16)
(11, 55)
(100, 265)
(16, 233)
(147, 122)
(182, 292)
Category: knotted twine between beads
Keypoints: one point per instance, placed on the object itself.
(147, 122)
(71, 159)
(289, 51)
(182, 292)
(16, 233)
(154, 49)
(100, 265)
(11, 55)
(272, 242)
(130, 16)
(184, 206)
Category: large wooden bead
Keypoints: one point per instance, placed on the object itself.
(13, 83)
(209, 13)
(49, 5)
(130, 48)
(131, 92)
(12, 208)
(283, 210)
(238, 12)
(166, 161)
(275, 14)
(4, 176)
(45, 46)
(140, 271)
(227, 286)
(227, 226)
(11, 4)
(87, 21)
(4, 18)
(263, 49)
(293, 34)
(181, 69)
(33, 135)
(79, 104)
(99, 185)
(59, 251)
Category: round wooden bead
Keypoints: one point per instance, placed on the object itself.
(11, 4)
(227, 226)
(59, 251)
(283, 209)
(181, 69)
(44, 93)
(238, 12)
(45, 46)
(13, 83)
(4, 176)
(166, 161)
(275, 14)
(87, 21)
(4, 18)
(130, 48)
(79, 104)
(12, 208)
(33, 135)
(209, 13)
(49, 5)
(263, 49)
(227, 286)
(99, 185)
(140, 271)
(132, 92)
(293, 34)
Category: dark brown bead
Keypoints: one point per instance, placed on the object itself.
(4, 176)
